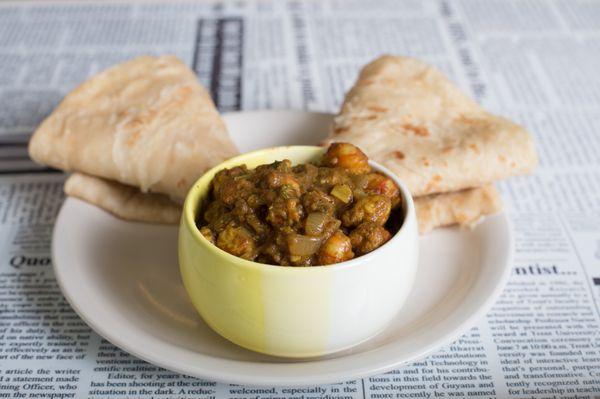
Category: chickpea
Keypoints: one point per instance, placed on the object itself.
(305, 174)
(271, 253)
(346, 156)
(214, 210)
(337, 248)
(285, 212)
(230, 184)
(280, 177)
(286, 183)
(372, 208)
(208, 234)
(247, 216)
(290, 181)
(260, 228)
(221, 221)
(329, 177)
(318, 201)
(376, 183)
(238, 241)
(367, 237)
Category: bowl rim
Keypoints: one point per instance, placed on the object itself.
(191, 202)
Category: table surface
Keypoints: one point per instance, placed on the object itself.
(534, 62)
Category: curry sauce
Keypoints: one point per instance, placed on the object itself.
(302, 215)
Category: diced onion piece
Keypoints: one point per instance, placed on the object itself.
(315, 223)
(342, 192)
(301, 245)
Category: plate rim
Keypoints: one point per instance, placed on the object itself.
(227, 373)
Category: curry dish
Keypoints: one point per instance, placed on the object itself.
(303, 215)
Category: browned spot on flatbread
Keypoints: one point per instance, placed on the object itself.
(474, 147)
(178, 98)
(447, 149)
(377, 109)
(472, 121)
(399, 154)
(501, 158)
(132, 139)
(425, 161)
(341, 129)
(421, 75)
(184, 91)
(513, 164)
(418, 130)
(461, 218)
(365, 118)
(466, 120)
(434, 181)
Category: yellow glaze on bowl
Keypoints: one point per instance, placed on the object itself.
(292, 311)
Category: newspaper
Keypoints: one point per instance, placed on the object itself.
(534, 61)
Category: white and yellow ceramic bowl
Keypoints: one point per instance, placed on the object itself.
(295, 311)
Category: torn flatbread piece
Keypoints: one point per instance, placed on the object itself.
(412, 119)
(147, 123)
(125, 202)
(465, 207)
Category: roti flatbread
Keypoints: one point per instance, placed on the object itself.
(147, 123)
(125, 202)
(465, 207)
(412, 119)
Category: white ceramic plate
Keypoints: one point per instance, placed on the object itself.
(123, 280)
